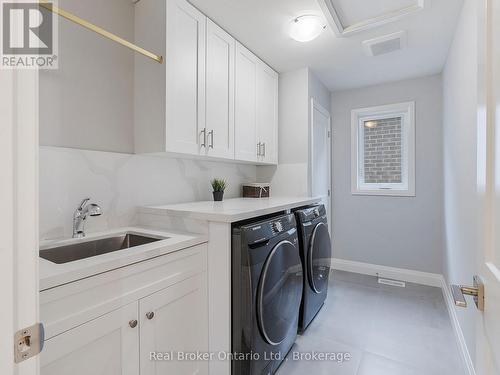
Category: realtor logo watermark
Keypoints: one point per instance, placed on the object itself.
(28, 35)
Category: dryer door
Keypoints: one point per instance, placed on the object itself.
(319, 258)
(279, 293)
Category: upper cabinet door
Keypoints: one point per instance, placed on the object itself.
(185, 64)
(246, 105)
(267, 114)
(220, 92)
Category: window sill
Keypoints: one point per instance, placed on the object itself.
(389, 193)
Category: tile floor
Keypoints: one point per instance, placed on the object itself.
(387, 331)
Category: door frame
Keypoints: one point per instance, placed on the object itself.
(487, 323)
(310, 178)
(19, 218)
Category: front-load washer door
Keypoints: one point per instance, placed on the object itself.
(279, 293)
(319, 258)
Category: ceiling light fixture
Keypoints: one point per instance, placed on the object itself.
(306, 28)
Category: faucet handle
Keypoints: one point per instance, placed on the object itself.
(84, 202)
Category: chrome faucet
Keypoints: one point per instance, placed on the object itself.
(80, 216)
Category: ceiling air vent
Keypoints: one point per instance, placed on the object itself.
(385, 44)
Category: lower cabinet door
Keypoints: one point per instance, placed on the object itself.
(174, 326)
(108, 345)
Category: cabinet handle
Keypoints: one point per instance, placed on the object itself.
(264, 148)
(150, 315)
(204, 133)
(211, 134)
(258, 149)
(132, 323)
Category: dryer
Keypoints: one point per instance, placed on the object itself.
(315, 254)
(267, 286)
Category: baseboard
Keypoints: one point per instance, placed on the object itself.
(411, 276)
(417, 277)
(459, 335)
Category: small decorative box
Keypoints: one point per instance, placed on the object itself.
(256, 190)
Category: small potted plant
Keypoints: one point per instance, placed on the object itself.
(218, 185)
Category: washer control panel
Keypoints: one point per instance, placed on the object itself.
(277, 227)
(265, 230)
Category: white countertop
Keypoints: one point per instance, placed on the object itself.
(230, 210)
(52, 274)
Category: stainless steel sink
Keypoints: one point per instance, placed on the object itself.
(92, 248)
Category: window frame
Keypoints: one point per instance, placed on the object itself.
(406, 111)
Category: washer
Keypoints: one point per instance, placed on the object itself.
(267, 285)
(315, 254)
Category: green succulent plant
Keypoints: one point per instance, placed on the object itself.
(218, 184)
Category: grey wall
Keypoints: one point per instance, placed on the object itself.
(88, 102)
(318, 91)
(150, 77)
(460, 162)
(296, 88)
(293, 116)
(405, 232)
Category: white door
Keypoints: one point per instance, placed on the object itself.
(185, 91)
(175, 320)
(19, 213)
(320, 150)
(488, 335)
(108, 345)
(245, 105)
(267, 114)
(220, 92)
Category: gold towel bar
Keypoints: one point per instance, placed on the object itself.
(100, 31)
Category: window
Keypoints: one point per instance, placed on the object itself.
(383, 150)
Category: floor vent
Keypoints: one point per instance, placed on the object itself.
(400, 284)
(385, 44)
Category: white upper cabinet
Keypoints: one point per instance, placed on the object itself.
(219, 92)
(212, 97)
(256, 124)
(185, 64)
(246, 105)
(267, 114)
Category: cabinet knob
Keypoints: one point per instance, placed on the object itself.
(132, 323)
(150, 315)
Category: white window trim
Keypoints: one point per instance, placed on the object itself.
(358, 116)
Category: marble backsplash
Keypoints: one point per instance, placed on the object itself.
(121, 182)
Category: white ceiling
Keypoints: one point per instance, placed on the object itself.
(262, 26)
